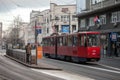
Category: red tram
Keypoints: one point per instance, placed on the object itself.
(79, 47)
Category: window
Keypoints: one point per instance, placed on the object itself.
(61, 18)
(91, 21)
(73, 28)
(75, 40)
(73, 17)
(114, 17)
(118, 16)
(59, 41)
(93, 40)
(57, 28)
(96, 1)
(65, 18)
(52, 41)
(102, 19)
(82, 40)
(69, 40)
(46, 42)
(65, 41)
(93, 1)
(82, 23)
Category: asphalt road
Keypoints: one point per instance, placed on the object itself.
(11, 70)
(95, 71)
(103, 70)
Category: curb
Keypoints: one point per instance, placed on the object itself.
(32, 66)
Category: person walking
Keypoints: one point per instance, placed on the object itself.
(115, 52)
(105, 50)
(28, 53)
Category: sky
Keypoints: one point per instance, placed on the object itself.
(9, 9)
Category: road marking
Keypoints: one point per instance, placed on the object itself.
(110, 67)
(63, 75)
(102, 69)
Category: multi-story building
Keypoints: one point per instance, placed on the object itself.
(63, 18)
(57, 19)
(102, 16)
(36, 23)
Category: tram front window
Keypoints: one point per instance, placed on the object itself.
(93, 40)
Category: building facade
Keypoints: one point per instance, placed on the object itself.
(34, 18)
(63, 18)
(102, 16)
(57, 19)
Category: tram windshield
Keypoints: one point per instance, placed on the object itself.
(93, 40)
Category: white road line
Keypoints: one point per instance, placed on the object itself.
(63, 75)
(110, 67)
(102, 69)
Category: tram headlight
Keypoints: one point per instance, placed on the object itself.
(93, 53)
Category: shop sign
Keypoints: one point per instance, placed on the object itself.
(113, 36)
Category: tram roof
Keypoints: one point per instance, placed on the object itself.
(84, 32)
(89, 32)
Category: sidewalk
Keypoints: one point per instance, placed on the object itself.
(39, 65)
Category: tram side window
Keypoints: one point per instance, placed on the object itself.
(82, 40)
(75, 40)
(64, 41)
(51, 42)
(48, 42)
(93, 40)
(60, 43)
(69, 40)
(45, 42)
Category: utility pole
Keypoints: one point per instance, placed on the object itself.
(36, 40)
(69, 23)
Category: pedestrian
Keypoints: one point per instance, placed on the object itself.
(105, 49)
(28, 53)
(115, 51)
